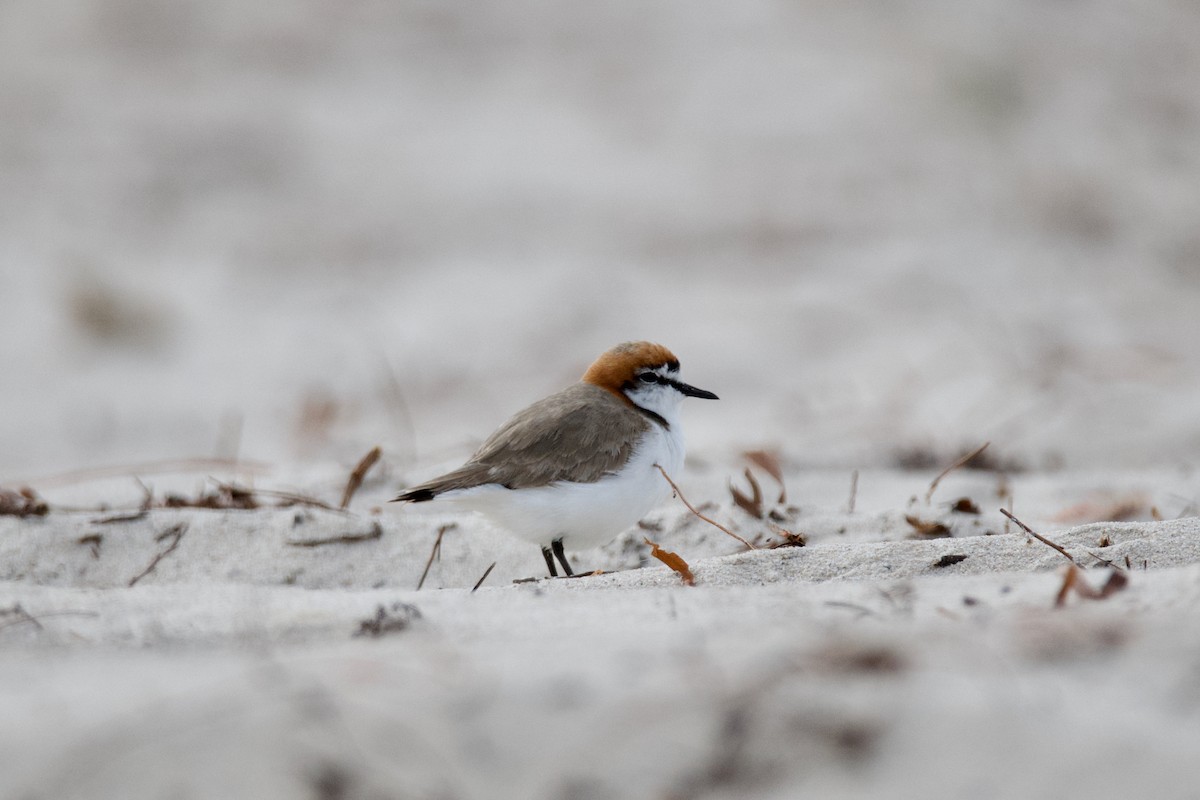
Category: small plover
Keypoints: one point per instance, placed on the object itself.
(580, 466)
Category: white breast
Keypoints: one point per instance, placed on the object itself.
(584, 515)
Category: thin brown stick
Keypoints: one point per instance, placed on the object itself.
(360, 472)
(698, 514)
(483, 578)
(174, 533)
(853, 492)
(952, 467)
(435, 552)
(131, 516)
(288, 498)
(1041, 538)
(376, 532)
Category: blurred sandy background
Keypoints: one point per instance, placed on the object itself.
(300, 229)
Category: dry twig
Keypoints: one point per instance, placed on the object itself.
(345, 538)
(436, 551)
(174, 533)
(692, 508)
(93, 540)
(1041, 538)
(483, 577)
(960, 462)
(360, 472)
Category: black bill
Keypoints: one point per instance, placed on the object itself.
(692, 391)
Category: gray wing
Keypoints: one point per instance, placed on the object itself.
(580, 434)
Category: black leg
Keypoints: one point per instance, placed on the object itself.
(550, 562)
(562, 557)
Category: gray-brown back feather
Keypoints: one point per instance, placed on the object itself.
(579, 434)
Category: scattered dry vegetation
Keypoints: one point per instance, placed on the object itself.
(172, 535)
(692, 508)
(1073, 581)
(395, 618)
(23, 502)
(672, 560)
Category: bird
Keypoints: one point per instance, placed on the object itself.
(582, 465)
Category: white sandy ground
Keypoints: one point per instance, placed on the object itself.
(852, 667)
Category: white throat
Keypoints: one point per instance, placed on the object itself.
(660, 399)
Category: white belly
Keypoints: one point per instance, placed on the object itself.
(583, 515)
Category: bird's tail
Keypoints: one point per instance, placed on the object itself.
(418, 494)
(465, 477)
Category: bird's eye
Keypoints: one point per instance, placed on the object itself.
(648, 377)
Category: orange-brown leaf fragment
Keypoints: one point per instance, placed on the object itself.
(1117, 581)
(672, 560)
(923, 529)
(1073, 580)
(751, 504)
(768, 462)
(1072, 575)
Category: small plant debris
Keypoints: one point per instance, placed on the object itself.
(786, 538)
(964, 505)
(23, 502)
(399, 616)
(768, 462)
(1040, 538)
(1073, 581)
(672, 560)
(232, 497)
(225, 497)
(436, 552)
(752, 503)
(692, 508)
(950, 560)
(923, 529)
(961, 462)
(131, 516)
(92, 540)
(174, 534)
(375, 532)
(360, 472)
(483, 577)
